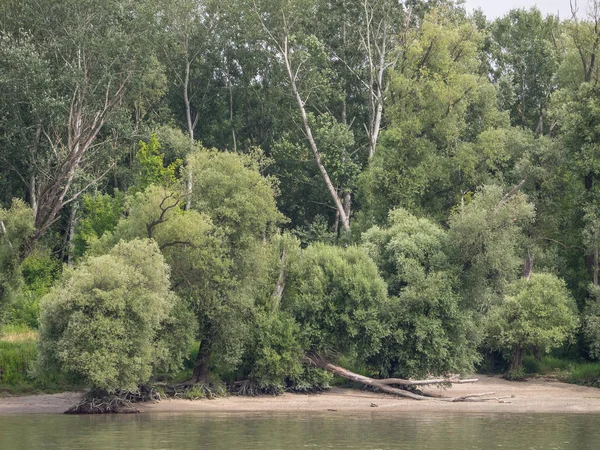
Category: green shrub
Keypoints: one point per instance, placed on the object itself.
(109, 323)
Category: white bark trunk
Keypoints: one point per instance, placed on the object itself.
(313, 145)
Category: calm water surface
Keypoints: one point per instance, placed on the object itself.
(301, 431)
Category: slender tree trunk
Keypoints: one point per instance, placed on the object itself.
(347, 203)
(71, 234)
(537, 353)
(313, 144)
(186, 100)
(33, 200)
(540, 126)
(336, 223)
(231, 117)
(191, 125)
(190, 187)
(528, 266)
(596, 266)
(279, 287)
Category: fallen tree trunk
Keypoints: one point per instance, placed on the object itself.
(384, 385)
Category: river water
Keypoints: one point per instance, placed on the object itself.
(335, 430)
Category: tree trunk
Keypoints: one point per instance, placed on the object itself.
(528, 266)
(191, 124)
(383, 384)
(70, 247)
(200, 374)
(537, 353)
(231, 117)
(190, 187)
(279, 287)
(313, 144)
(596, 266)
(347, 203)
(516, 362)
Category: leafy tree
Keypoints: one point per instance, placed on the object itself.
(16, 225)
(526, 55)
(39, 271)
(100, 213)
(150, 167)
(537, 312)
(75, 69)
(445, 134)
(336, 296)
(430, 330)
(200, 268)
(275, 351)
(230, 189)
(103, 323)
(488, 241)
(591, 322)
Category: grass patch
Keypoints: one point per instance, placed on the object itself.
(587, 374)
(570, 371)
(17, 333)
(17, 353)
(548, 365)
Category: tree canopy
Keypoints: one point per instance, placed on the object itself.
(402, 186)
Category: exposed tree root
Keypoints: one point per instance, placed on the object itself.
(253, 389)
(196, 391)
(101, 402)
(385, 385)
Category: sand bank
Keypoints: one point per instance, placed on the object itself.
(532, 396)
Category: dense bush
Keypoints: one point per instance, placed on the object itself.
(336, 296)
(429, 332)
(103, 323)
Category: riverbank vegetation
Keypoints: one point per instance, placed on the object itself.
(400, 187)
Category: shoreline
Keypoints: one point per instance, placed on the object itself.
(534, 396)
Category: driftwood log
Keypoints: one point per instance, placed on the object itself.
(386, 384)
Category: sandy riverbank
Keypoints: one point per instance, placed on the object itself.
(533, 396)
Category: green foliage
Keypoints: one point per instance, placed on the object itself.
(317, 231)
(149, 166)
(488, 155)
(442, 117)
(488, 241)
(230, 189)
(336, 296)
(526, 54)
(538, 312)
(429, 330)
(275, 351)
(100, 214)
(39, 271)
(569, 371)
(103, 323)
(201, 269)
(587, 374)
(591, 322)
(16, 225)
(547, 365)
(517, 374)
